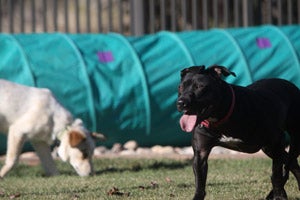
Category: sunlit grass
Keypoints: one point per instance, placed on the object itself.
(121, 178)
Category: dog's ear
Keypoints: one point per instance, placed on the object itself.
(75, 138)
(183, 72)
(98, 136)
(220, 70)
(194, 69)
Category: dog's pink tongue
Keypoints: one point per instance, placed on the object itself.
(187, 122)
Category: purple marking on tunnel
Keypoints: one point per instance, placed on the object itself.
(105, 56)
(263, 43)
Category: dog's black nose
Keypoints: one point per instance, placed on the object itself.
(180, 105)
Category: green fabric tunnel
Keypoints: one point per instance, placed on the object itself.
(126, 87)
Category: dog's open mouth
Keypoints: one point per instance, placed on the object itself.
(188, 122)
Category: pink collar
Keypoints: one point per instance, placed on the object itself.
(208, 124)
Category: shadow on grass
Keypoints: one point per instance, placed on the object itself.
(240, 183)
(288, 198)
(235, 183)
(136, 166)
(102, 167)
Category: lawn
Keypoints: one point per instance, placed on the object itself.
(144, 179)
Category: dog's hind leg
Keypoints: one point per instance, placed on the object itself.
(279, 174)
(292, 163)
(295, 169)
(44, 153)
(292, 127)
(15, 142)
(294, 148)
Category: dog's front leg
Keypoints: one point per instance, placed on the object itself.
(44, 153)
(202, 145)
(15, 142)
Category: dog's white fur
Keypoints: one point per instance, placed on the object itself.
(34, 114)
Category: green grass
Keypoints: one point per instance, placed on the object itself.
(145, 179)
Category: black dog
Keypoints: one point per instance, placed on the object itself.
(244, 119)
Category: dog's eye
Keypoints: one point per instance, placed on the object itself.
(180, 89)
(199, 86)
(85, 153)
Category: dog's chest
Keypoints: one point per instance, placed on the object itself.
(230, 140)
(237, 144)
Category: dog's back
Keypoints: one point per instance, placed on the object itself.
(27, 104)
(285, 94)
(276, 87)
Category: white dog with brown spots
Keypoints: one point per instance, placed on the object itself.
(28, 113)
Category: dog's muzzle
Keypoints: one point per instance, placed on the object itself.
(180, 105)
(183, 104)
(184, 101)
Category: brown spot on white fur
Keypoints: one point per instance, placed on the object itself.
(75, 138)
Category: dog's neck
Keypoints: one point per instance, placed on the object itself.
(59, 136)
(215, 121)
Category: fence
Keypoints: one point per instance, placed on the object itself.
(137, 17)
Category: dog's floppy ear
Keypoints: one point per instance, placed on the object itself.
(184, 72)
(220, 70)
(194, 69)
(98, 136)
(75, 138)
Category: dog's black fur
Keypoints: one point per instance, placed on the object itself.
(245, 119)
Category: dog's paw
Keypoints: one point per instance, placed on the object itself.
(281, 196)
(199, 196)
